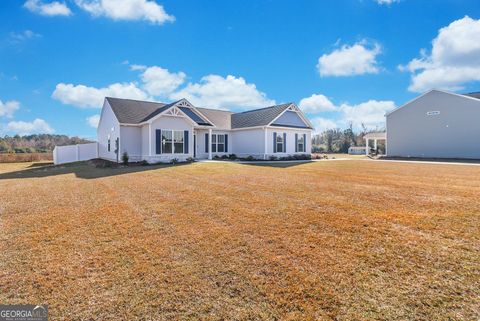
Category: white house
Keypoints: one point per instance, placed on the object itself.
(437, 124)
(157, 132)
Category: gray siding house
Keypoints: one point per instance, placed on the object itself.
(437, 124)
(158, 132)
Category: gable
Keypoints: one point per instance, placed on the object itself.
(437, 103)
(290, 119)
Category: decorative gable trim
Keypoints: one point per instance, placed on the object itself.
(293, 108)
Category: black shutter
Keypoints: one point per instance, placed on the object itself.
(304, 143)
(158, 141)
(284, 142)
(206, 142)
(296, 143)
(274, 142)
(226, 143)
(185, 141)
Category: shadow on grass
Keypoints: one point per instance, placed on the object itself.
(86, 170)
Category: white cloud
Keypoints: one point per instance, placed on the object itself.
(321, 124)
(93, 120)
(358, 59)
(8, 108)
(127, 10)
(215, 91)
(387, 2)
(53, 8)
(370, 113)
(137, 67)
(159, 81)
(85, 97)
(453, 61)
(19, 37)
(38, 126)
(316, 104)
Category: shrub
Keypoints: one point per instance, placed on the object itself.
(250, 158)
(216, 157)
(190, 159)
(273, 158)
(174, 161)
(224, 156)
(125, 158)
(144, 163)
(232, 156)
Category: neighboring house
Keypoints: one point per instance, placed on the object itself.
(157, 132)
(357, 150)
(437, 124)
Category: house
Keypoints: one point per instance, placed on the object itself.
(158, 132)
(357, 150)
(437, 124)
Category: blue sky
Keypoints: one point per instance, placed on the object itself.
(340, 61)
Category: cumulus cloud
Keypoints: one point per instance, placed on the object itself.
(85, 97)
(370, 113)
(127, 10)
(159, 81)
(386, 2)
(53, 8)
(93, 121)
(215, 91)
(316, 103)
(357, 59)
(454, 59)
(8, 108)
(321, 124)
(37, 126)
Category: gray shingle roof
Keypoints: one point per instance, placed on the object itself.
(474, 95)
(129, 111)
(257, 117)
(222, 119)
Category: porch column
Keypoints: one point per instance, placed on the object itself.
(266, 144)
(209, 143)
(149, 139)
(375, 145)
(367, 147)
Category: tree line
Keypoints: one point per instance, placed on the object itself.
(38, 143)
(338, 140)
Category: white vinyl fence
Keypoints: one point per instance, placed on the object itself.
(74, 153)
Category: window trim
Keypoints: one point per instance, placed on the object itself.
(172, 131)
(300, 137)
(216, 143)
(282, 150)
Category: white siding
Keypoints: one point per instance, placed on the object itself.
(290, 140)
(131, 142)
(145, 148)
(108, 125)
(169, 123)
(249, 142)
(454, 132)
(201, 143)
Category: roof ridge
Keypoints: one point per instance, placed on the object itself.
(142, 101)
(263, 108)
(214, 109)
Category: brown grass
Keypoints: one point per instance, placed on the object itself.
(347, 240)
(25, 157)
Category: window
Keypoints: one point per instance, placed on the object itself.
(279, 143)
(214, 143)
(219, 143)
(166, 141)
(301, 143)
(178, 142)
(172, 141)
